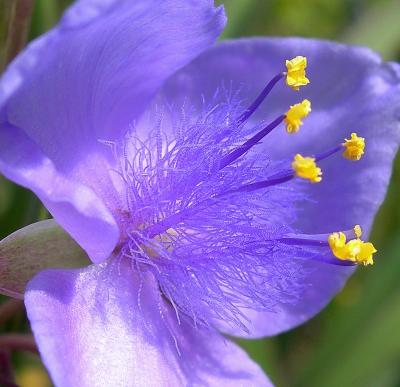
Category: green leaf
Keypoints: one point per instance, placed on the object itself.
(34, 248)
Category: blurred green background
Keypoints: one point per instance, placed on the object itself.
(355, 341)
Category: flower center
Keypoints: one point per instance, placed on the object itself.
(159, 232)
(215, 220)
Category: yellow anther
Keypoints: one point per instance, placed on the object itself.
(360, 252)
(294, 116)
(354, 147)
(306, 168)
(337, 242)
(355, 250)
(296, 72)
(357, 231)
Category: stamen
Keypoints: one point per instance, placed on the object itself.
(354, 147)
(295, 77)
(306, 168)
(355, 250)
(257, 102)
(295, 114)
(314, 239)
(235, 154)
(296, 72)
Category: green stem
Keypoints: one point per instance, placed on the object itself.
(17, 17)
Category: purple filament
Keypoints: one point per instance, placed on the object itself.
(283, 178)
(234, 155)
(253, 107)
(313, 239)
(328, 153)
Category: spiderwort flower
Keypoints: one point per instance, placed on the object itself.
(193, 203)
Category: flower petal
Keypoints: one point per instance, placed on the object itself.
(32, 249)
(351, 89)
(107, 325)
(88, 80)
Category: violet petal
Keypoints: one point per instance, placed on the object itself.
(107, 325)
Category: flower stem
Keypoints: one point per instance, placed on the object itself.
(22, 342)
(15, 25)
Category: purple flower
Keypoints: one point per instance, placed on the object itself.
(144, 143)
